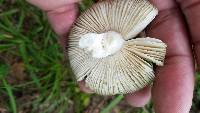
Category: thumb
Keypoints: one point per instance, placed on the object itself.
(51, 4)
(61, 13)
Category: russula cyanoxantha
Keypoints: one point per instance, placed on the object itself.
(104, 49)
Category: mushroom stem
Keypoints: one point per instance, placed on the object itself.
(101, 45)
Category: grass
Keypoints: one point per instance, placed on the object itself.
(112, 104)
(27, 43)
(35, 76)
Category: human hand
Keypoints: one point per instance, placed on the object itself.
(173, 88)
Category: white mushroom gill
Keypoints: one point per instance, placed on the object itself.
(104, 51)
(101, 45)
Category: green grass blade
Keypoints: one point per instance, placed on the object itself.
(10, 12)
(5, 46)
(25, 58)
(114, 102)
(11, 96)
(21, 21)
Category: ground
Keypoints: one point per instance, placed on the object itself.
(35, 76)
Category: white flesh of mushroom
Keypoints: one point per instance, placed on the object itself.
(102, 45)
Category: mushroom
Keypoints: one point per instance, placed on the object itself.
(105, 50)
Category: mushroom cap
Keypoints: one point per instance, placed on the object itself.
(131, 67)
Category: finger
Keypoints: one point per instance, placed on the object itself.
(191, 10)
(172, 91)
(61, 14)
(51, 4)
(140, 98)
(61, 21)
